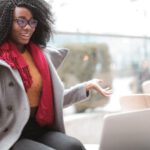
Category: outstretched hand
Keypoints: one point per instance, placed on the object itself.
(95, 84)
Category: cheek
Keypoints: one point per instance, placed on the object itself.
(33, 30)
(15, 28)
(14, 31)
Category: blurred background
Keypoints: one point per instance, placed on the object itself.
(108, 39)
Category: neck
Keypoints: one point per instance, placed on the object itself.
(21, 48)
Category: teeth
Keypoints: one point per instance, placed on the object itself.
(25, 34)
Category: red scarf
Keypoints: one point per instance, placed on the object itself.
(10, 54)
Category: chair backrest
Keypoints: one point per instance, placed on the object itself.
(134, 102)
(126, 131)
(146, 86)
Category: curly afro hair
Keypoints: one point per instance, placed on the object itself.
(41, 11)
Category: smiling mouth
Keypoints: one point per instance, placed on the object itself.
(25, 36)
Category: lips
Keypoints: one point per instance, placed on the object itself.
(25, 36)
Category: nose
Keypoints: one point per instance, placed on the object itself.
(28, 27)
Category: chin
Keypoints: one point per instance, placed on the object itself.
(25, 42)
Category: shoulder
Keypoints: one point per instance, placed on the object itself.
(57, 56)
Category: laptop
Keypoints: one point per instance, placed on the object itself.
(126, 131)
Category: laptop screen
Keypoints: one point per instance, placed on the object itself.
(126, 131)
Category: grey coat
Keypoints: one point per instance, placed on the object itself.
(14, 106)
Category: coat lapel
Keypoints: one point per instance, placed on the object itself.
(58, 90)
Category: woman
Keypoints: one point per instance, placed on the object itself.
(32, 95)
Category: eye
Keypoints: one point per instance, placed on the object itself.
(33, 22)
(21, 22)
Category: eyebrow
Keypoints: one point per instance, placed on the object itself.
(22, 17)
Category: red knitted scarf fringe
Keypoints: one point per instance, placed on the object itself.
(10, 54)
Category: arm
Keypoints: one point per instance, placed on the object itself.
(81, 91)
(75, 94)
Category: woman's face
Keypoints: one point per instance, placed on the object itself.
(23, 26)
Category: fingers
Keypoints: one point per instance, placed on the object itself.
(107, 88)
(104, 91)
(95, 84)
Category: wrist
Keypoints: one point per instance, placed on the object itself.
(88, 86)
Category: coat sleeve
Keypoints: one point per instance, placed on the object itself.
(75, 94)
(14, 107)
